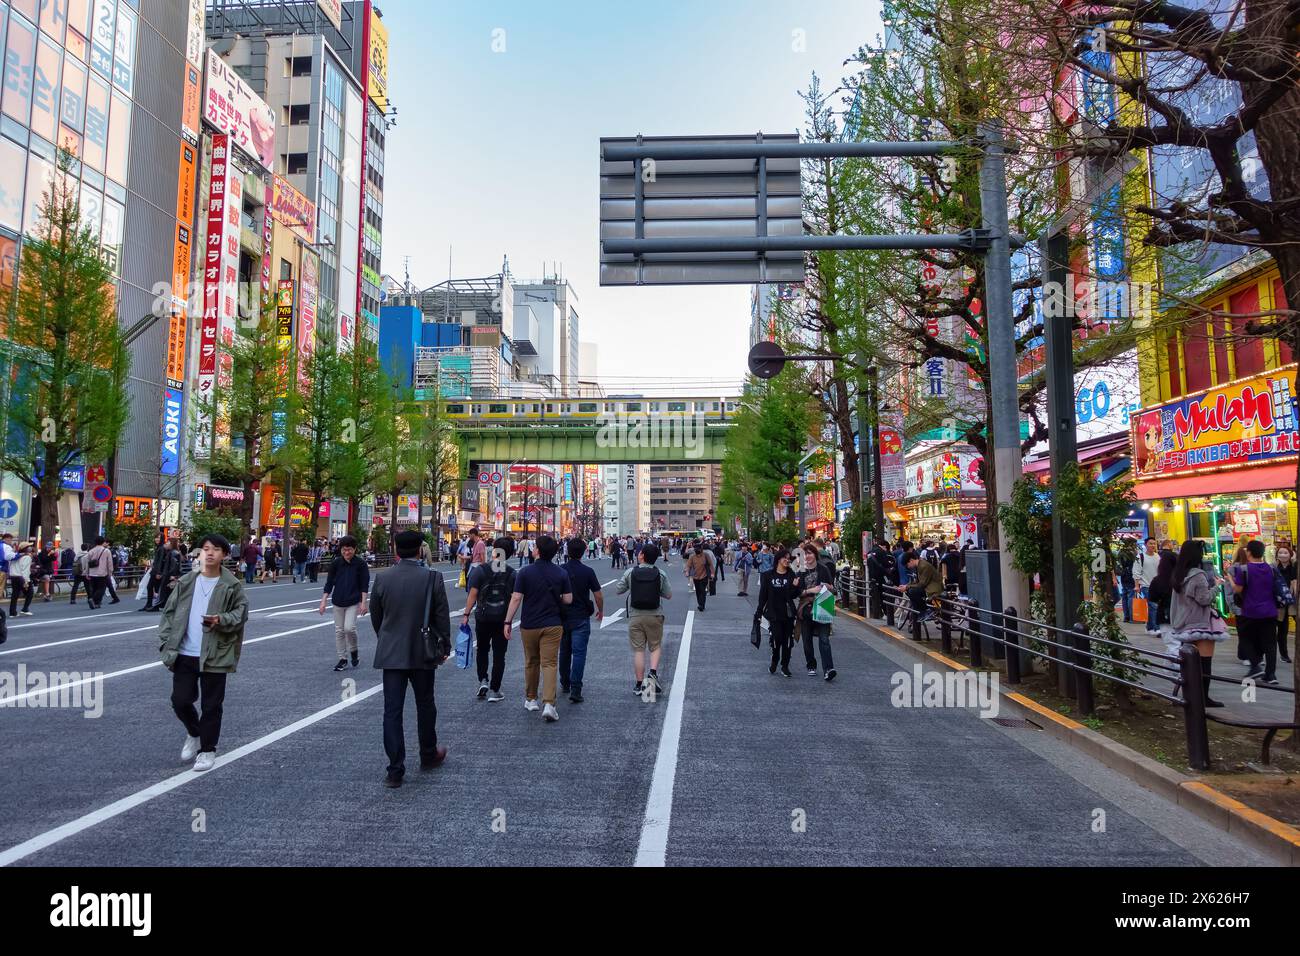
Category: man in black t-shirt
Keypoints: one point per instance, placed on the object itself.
(541, 590)
(577, 620)
(951, 562)
(490, 587)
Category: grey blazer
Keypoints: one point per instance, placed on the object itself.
(396, 606)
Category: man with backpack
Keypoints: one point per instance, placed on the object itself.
(577, 620)
(490, 587)
(647, 585)
(542, 589)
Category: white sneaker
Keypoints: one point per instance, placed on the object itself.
(550, 713)
(204, 761)
(530, 704)
(190, 749)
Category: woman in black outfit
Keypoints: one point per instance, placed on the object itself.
(777, 597)
(1286, 567)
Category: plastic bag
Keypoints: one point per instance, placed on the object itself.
(823, 606)
(464, 647)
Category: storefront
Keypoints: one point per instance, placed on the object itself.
(945, 497)
(1219, 465)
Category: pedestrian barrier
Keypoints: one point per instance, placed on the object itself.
(1074, 651)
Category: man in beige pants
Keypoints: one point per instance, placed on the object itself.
(540, 589)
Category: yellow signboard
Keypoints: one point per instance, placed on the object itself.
(377, 81)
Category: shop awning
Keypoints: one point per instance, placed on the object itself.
(1259, 478)
(1086, 455)
(1114, 470)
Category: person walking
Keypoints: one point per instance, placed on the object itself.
(299, 556)
(347, 584)
(250, 554)
(490, 588)
(744, 563)
(200, 636)
(314, 554)
(271, 561)
(409, 601)
(154, 576)
(169, 572)
(1192, 614)
(541, 590)
(818, 571)
(646, 586)
(1257, 620)
(99, 568)
(1145, 567)
(1286, 570)
(587, 598)
(699, 570)
(778, 593)
(43, 565)
(20, 584)
(79, 569)
(1126, 582)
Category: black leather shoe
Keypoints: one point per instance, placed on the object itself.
(576, 696)
(341, 665)
(393, 782)
(436, 761)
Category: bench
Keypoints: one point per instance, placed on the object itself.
(1270, 726)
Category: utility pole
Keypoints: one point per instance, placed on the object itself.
(877, 484)
(1003, 381)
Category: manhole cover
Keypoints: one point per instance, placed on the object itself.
(1015, 722)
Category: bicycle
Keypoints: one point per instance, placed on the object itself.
(904, 614)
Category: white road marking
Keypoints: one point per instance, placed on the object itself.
(11, 701)
(58, 834)
(613, 618)
(133, 630)
(653, 848)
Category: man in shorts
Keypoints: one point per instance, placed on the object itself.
(645, 615)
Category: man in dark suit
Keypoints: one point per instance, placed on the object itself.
(397, 608)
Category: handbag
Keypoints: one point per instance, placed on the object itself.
(1217, 624)
(756, 633)
(434, 647)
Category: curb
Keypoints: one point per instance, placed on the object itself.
(1278, 840)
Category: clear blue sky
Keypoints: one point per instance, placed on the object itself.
(495, 153)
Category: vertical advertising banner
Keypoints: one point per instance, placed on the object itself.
(212, 295)
(171, 443)
(377, 78)
(234, 205)
(893, 471)
(175, 369)
(284, 344)
(307, 300)
(191, 102)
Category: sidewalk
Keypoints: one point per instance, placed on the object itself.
(1271, 703)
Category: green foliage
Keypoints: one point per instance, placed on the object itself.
(221, 521)
(859, 520)
(139, 537)
(783, 532)
(1027, 522)
(63, 393)
(379, 538)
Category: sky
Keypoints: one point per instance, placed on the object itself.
(495, 152)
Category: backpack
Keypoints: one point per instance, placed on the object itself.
(644, 588)
(494, 598)
(1281, 590)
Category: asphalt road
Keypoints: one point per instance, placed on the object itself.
(732, 766)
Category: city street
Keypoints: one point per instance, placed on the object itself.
(732, 765)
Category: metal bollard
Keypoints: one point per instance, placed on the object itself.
(1083, 679)
(1198, 734)
(890, 607)
(976, 636)
(945, 628)
(1012, 623)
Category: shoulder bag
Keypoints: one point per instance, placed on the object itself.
(434, 647)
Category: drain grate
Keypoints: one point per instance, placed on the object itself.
(1016, 722)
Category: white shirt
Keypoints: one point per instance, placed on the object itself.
(192, 645)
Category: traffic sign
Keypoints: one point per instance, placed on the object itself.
(766, 359)
(102, 493)
(8, 508)
(484, 478)
(496, 477)
(787, 490)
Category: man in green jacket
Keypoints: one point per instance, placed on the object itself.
(199, 639)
